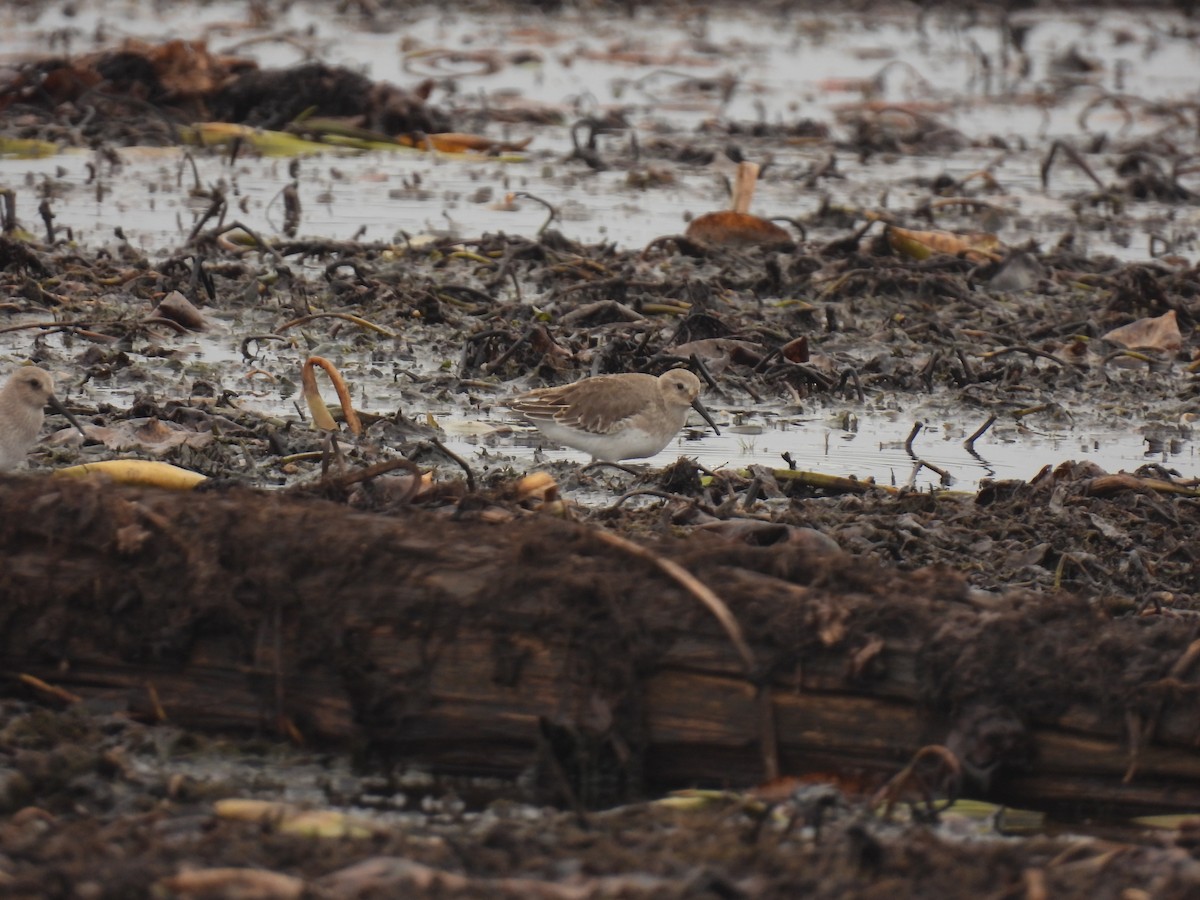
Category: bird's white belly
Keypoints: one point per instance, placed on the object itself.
(628, 443)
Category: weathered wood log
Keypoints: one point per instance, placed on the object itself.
(484, 648)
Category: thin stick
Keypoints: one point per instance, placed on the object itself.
(643, 492)
(604, 464)
(937, 470)
(348, 317)
(969, 443)
(693, 586)
(1028, 351)
(28, 325)
(767, 732)
(889, 795)
(912, 436)
(60, 694)
(550, 207)
(454, 457)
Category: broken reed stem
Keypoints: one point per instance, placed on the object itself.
(768, 734)
(693, 586)
(743, 186)
(936, 470)
(160, 713)
(60, 694)
(969, 443)
(912, 436)
(321, 417)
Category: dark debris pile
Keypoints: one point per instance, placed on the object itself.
(125, 812)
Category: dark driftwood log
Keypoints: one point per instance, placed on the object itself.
(484, 648)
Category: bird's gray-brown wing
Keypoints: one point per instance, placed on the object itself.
(579, 406)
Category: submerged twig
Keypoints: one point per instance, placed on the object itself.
(969, 443)
(912, 436)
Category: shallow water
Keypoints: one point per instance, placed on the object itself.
(786, 68)
(801, 66)
(875, 447)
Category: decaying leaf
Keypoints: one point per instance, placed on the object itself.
(289, 819)
(268, 143)
(977, 247)
(186, 69)
(733, 229)
(175, 71)
(718, 353)
(149, 435)
(454, 142)
(178, 309)
(796, 350)
(1157, 333)
(25, 148)
(537, 486)
(136, 471)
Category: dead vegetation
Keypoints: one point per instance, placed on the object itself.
(843, 664)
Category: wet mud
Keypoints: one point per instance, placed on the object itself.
(368, 665)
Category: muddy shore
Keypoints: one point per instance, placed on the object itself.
(395, 662)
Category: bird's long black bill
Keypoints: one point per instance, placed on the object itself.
(699, 407)
(58, 407)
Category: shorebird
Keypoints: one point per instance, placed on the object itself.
(615, 417)
(22, 403)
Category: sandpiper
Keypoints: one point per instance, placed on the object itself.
(22, 401)
(615, 417)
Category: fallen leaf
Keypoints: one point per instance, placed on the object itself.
(455, 142)
(186, 69)
(1157, 333)
(718, 353)
(796, 350)
(538, 486)
(468, 428)
(977, 247)
(733, 229)
(150, 435)
(177, 308)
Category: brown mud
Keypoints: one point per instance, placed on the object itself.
(487, 688)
